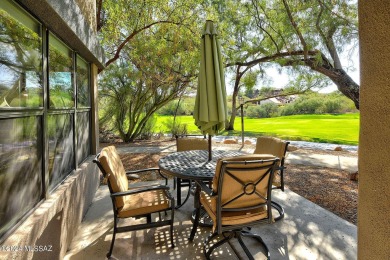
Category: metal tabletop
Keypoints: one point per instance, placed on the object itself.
(193, 165)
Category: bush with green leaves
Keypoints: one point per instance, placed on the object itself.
(175, 127)
(317, 103)
(172, 108)
(266, 110)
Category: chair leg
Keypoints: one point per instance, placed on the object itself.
(179, 203)
(113, 238)
(279, 208)
(258, 238)
(246, 250)
(172, 220)
(178, 191)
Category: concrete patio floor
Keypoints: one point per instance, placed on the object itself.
(307, 232)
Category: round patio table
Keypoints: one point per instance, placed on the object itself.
(193, 165)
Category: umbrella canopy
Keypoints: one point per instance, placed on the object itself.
(210, 112)
(210, 104)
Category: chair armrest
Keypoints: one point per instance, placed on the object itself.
(148, 170)
(139, 190)
(205, 188)
(142, 170)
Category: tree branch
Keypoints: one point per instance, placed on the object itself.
(258, 22)
(328, 39)
(296, 28)
(131, 36)
(99, 22)
(273, 57)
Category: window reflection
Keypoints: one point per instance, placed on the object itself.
(61, 154)
(82, 79)
(20, 168)
(83, 136)
(61, 93)
(20, 59)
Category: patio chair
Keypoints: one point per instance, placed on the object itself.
(137, 202)
(187, 143)
(278, 148)
(240, 198)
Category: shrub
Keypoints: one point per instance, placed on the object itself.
(262, 111)
(170, 109)
(175, 127)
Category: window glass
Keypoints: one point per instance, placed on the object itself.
(20, 168)
(61, 93)
(83, 136)
(20, 58)
(82, 81)
(61, 152)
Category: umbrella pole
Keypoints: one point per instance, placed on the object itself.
(210, 154)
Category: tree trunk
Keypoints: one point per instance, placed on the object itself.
(345, 84)
(236, 89)
(348, 87)
(230, 124)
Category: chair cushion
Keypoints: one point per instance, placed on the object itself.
(144, 203)
(274, 146)
(188, 144)
(231, 218)
(270, 145)
(112, 165)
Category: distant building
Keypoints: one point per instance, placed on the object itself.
(275, 99)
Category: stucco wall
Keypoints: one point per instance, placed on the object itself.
(55, 222)
(374, 142)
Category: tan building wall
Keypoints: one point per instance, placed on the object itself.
(54, 223)
(374, 142)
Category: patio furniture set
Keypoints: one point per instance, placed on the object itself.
(232, 191)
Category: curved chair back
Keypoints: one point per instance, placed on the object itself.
(242, 187)
(191, 143)
(277, 147)
(240, 197)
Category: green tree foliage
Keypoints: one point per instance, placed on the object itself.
(137, 85)
(120, 22)
(305, 38)
(315, 103)
(153, 49)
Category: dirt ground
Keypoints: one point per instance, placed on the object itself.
(329, 188)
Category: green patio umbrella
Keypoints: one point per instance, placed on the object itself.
(210, 112)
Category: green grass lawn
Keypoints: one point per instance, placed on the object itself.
(338, 129)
